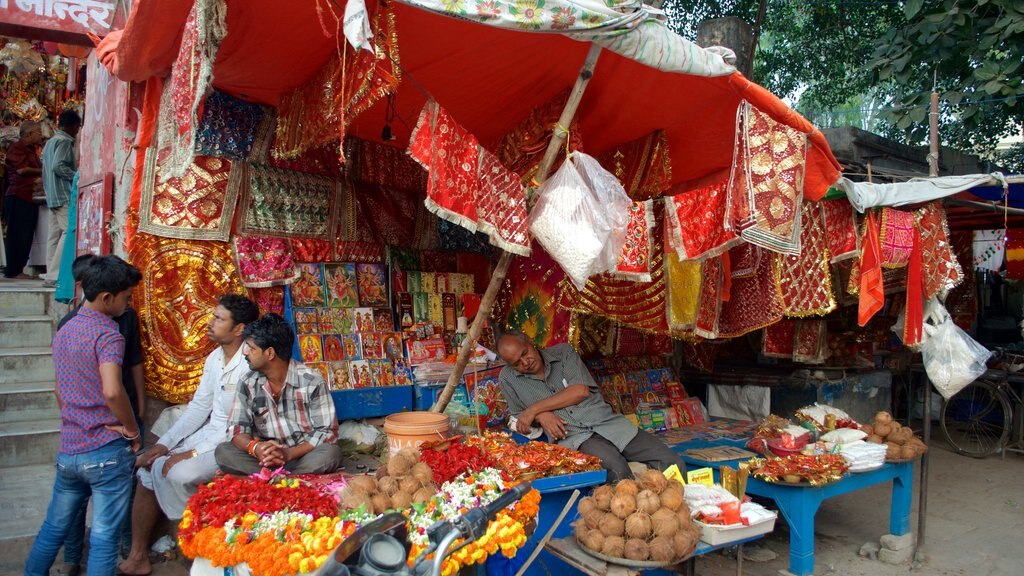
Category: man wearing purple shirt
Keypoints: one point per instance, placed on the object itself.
(99, 434)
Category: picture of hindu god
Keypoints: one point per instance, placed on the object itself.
(340, 377)
(393, 346)
(365, 377)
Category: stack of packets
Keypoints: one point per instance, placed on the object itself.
(344, 328)
(716, 504)
(647, 392)
(436, 297)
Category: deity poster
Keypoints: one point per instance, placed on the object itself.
(372, 289)
(311, 348)
(353, 349)
(391, 342)
(360, 375)
(333, 348)
(341, 320)
(340, 280)
(371, 345)
(363, 320)
(308, 290)
(340, 379)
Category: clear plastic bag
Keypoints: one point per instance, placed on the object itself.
(951, 357)
(581, 218)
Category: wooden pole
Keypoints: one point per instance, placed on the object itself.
(558, 137)
(933, 134)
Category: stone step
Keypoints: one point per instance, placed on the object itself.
(22, 331)
(25, 493)
(30, 364)
(18, 300)
(25, 443)
(22, 402)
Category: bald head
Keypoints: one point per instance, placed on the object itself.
(518, 351)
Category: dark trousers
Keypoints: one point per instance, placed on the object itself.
(642, 448)
(324, 459)
(21, 218)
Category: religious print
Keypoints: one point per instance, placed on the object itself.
(311, 348)
(353, 349)
(308, 290)
(360, 375)
(340, 378)
(382, 321)
(381, 371)
(391, 342)
(363, 320)
(372, 290)
(322, 369)
(401, 374)
(307, 321)
(325, 320)
(341, 320)
(371, 345)
(340, 280)
(333, 348)
(405, 310)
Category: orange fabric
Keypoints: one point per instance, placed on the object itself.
(872, 293)
(489, 79)
(914, 319)
(147, 127)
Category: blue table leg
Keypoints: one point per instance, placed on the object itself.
(902, 496)
(799, 508)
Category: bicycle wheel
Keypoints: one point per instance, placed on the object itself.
(976, 421)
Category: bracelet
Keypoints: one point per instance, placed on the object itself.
(130, 438)
(193, 453)
(251, 447)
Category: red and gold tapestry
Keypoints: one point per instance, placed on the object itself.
(696, 223)
(778, 340)
(744, 258)
(263, 262)
(286, 204)
(387, 166)
(940, 269)
(755, 302)
(310, 250)
(522, 148)
(181, 283)
(896, 237)
(841, 229)
(700, 355)
(635, 257)
(809, 342)
(527, 299)
(197, 206)
(805, 280)
(1014, 253)
(709, 308)
(642, 166)
(269, 299)
(767, 184)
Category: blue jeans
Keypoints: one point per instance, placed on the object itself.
(105, 474)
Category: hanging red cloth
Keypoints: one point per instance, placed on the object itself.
(914, 320)
(872, 295)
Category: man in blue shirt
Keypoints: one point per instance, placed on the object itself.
(59, 166)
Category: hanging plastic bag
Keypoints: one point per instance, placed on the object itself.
(581, 218)
(951, 357)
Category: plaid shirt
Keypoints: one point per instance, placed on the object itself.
(304, 413)
(563, 368)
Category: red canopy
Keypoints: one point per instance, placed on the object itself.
(487, 78)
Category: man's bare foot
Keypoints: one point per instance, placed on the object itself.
(135, 567)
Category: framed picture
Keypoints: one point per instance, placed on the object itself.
(93, 213)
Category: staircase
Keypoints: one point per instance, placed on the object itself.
(29, 416)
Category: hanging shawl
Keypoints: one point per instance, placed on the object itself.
(695, 223)
(872, 291)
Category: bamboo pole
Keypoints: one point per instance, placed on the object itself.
(558, 137)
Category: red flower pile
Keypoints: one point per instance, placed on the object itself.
(533, 459)
(451, 457)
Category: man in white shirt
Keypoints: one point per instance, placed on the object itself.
(171, 471)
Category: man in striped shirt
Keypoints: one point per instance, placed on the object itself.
(283, 414)
(551, 388)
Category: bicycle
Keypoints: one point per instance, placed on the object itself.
(977, 421)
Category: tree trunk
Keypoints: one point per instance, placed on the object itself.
(731, 32)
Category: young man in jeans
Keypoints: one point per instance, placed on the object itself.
(99, 434)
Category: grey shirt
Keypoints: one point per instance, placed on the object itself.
(563, 368)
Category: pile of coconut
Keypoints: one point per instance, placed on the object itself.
(645, 520)
(900, 442)
(399, 483)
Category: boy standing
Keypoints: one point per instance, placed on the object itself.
(99, 434)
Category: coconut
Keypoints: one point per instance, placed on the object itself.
(585, 505)
(908, 451)
(381, 503)
(654, 481)
(882, 429)
(409, 484)
(422, 472)
(895, 425)
(685, 542)
(892, 451)
(661, 549)
(603, 497)
(867, 429)
(410, 453)
(593, 518)
(672, 498)
(352, 499)
(364, 484)
(401, 500)
(883, 417)
(388, 485)
(399, 465)
(423, 495)
(664, 522)
(611, 525)
(613, 546)
(623, 505)
(627, 486)
(595, 540)
(648, 501)
(638, 525)
(874, 439)
(636, 550)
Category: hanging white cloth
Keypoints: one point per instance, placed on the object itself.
(863, 195)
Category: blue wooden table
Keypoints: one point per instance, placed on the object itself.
(799, 504)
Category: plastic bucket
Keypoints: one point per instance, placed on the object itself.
(410, 429)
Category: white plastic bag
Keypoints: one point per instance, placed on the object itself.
(951, 357)
(581, 218)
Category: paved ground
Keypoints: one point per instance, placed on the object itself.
(975, 527)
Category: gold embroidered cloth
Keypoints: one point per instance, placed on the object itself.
(287, 204)
(197, 206)
(805, 280)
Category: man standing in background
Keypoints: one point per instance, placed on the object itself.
(59, 168)
(20, 212)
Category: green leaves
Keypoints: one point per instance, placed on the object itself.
(912, 7)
